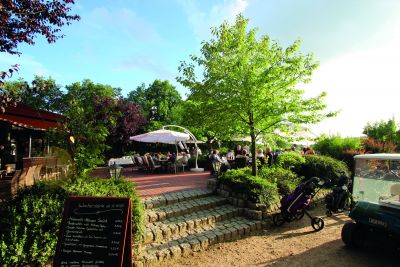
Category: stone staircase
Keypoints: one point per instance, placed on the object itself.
(178, 224)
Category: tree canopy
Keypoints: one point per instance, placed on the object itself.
(160, 103)
(251, 84)
(21, 21)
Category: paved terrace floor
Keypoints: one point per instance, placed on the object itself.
(155, 184)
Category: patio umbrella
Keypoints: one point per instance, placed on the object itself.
(161, 136)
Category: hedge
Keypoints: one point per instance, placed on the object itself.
(29, 223)
(256, 188)
(285, 179)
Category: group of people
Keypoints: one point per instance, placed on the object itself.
(267, 157)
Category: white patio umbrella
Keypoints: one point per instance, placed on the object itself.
(161, 136)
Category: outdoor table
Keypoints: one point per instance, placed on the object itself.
(163, 163)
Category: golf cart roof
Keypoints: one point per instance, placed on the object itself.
(379, 156)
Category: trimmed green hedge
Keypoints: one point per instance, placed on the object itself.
(290, 161)
(285, 179)
(256, 188)
(323, 167)
(29, 223)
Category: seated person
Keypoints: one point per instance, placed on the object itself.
(230, 155)
(215, 157)
(260, 153)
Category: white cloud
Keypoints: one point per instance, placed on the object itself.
(201, 21)
(363, 85)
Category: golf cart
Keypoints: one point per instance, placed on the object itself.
(376, 195)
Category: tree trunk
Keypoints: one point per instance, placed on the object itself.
(253, 151)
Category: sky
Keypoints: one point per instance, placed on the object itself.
(124, 43)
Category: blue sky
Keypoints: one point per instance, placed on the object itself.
(124, 43)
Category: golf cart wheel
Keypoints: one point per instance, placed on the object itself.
(299, 215)
(278, 219)
(328, 213)
(317, 223)
(352, 235)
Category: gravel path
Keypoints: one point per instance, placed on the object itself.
(294, 244)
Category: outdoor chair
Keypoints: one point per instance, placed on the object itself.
(241, 162)
(146, 164)
(139, 162)
(179, 163)
(152, 165)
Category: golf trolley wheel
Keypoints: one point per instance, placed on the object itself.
(317, 223)
(299, 215)
(278, 219)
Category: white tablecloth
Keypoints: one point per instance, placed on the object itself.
(121, 161)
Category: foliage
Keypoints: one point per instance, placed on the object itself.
(28, 225)
(285, 179)
(85, 122)
(335, 146)
(250, 83)
(375, 146)
(42, 94)
(323, 167)
(257, 189)
(160, 103)
(383, 131)
(21, 21)
(128, 119)
(290, 160)
(30, 222)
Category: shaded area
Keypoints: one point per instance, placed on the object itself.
(152, 184)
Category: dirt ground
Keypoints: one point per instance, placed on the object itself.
(294, 244)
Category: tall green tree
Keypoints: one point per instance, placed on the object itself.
(42, 93)
(86, 123)
(251, 83)
(160, 103)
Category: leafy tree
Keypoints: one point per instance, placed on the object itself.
(41, 94)
(251, 83)
(21, 21)
(84, 122)
(128, 119)
(383, 131)
(160, 103)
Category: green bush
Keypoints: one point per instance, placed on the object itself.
(323, 167)
(285, 179)
(290, 160)
(256, 188)
(335, 146)
(29, 223)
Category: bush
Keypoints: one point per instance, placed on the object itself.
(256, 188)
(323, 167)
(290, 160)
(375, 146)
(335, 146)
(29, 223)
(285, 179)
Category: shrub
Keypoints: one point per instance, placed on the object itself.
(335, 146)
(375, 146)
(285, 179)
(256, 188)
(323, 167)
(290, 160)
(29, 223)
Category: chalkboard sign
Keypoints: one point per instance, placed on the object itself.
(95, 232)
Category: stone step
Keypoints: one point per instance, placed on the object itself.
(174, 197)
(182, 207)
(181, 225)
(227, 230)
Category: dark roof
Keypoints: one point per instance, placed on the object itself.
(27, 117)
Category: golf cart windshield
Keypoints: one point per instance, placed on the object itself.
(377, 181)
